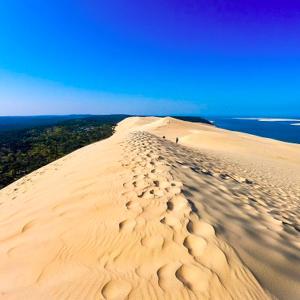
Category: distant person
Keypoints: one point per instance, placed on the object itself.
(177, 140)
(164, 137)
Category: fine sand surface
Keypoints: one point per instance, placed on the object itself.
(138, 216)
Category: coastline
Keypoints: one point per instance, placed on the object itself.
(280, 129)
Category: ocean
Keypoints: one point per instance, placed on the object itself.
(286, 130)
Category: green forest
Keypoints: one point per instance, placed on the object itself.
(28, 143)
(25, 150)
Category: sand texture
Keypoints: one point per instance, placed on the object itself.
(138, 216)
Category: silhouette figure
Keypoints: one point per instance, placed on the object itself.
(177, 140)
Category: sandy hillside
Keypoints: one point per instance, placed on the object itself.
(138, 216)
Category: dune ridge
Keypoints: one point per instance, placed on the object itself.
(138, 216)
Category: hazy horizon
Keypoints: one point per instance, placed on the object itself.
(151, 57)
(246, 117)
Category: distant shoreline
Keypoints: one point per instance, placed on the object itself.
(280, 129)
(269, 119)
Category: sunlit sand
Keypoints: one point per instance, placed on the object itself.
(138, 216)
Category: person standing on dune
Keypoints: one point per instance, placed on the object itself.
(177, 140)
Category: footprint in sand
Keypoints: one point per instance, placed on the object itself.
(195, 278)
(215, 259)
(140, 184)
(116, 290)
(153, 242)
(174, 190)
(152, 193)
(201, 228)
(171, 221)
(161, 184)
(177, 204)
(158, 192)
(148, 194)
(195, 245)
(28, 226)
(176, 183)
(127, 185)
(167, 279)
(127, 225)
(134, 207)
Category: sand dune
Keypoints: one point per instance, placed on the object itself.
(138, 216)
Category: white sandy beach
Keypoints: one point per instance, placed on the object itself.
(138, 216)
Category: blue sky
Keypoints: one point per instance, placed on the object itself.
(150, 57)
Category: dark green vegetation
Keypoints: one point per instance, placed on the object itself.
(22, 122)
(28, 143)
(23, 151)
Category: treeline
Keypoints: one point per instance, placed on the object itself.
(26, 150)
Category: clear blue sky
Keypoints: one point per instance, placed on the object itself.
(196, 57)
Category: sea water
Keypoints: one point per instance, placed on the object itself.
(283, 129)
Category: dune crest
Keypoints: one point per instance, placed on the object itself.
(138, 216)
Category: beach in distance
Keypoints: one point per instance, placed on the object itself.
(282, 129)
(162, 209)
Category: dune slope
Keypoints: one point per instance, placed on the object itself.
(139, 217)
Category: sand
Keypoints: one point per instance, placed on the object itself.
(138, 216)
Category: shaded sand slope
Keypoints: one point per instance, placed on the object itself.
(248, 188)
(139, 217)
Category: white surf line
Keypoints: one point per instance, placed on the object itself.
(269, 119)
